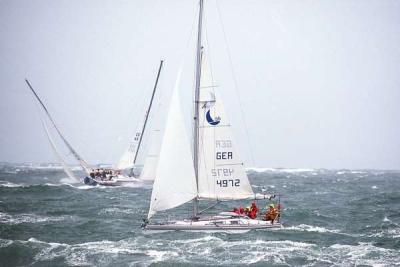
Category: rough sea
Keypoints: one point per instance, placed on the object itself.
(330, 218)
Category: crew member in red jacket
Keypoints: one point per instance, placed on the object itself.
(253, 211)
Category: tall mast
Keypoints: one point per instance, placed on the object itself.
(148, 112)
(196, 108)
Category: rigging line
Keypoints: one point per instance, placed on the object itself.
(235, 82)
(207, 61)
(212, 206)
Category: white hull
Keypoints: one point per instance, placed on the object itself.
(115, 181)
(109, 183)
(214, 224)
(126, 179)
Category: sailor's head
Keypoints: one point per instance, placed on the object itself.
(271, 205)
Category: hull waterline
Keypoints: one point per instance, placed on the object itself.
(213, 224)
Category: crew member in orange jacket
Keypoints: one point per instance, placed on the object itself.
(271, 214)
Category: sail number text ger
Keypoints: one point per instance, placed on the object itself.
(224, 155)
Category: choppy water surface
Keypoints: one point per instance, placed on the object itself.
(331, 217)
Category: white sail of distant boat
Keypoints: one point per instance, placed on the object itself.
(85, 166)
(130, 156)
(211, 170)
(81, 161)
(148, 172)
(67, 170)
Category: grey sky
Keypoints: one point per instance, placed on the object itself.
(318, 81)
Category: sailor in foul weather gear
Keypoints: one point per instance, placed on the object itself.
(253, 211)
(271, 213)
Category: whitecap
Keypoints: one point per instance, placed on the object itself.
(9, 184)
(310, 228)
(115, 210)
(288, 170)
(27, 218)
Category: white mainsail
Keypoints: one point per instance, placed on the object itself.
(175, 181)
(221, 174)
(127, 159)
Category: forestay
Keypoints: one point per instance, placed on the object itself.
(221, 172)
(175, 181)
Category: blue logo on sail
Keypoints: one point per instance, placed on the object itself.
(208, 105)
(212, 121)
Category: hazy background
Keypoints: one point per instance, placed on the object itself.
(318, 81)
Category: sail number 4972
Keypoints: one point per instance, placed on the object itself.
(228, 182)
(225, 173)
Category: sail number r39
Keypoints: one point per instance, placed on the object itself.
(228, 182)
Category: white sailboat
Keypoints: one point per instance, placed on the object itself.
(211, 170)
(85, 166)
(129, 158)
(82, 162)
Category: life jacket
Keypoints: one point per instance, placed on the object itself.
(253, 214)
(241, 210)
(271, 214)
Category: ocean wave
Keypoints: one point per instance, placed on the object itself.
(10, 184)
(310, 228)
(115, 210)
(289, 170)
(362, 254)
(209, 250)
(27, 218)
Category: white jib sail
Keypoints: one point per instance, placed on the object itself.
(150, 164)
(67, 170)
(221, 171)
(175, 181)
